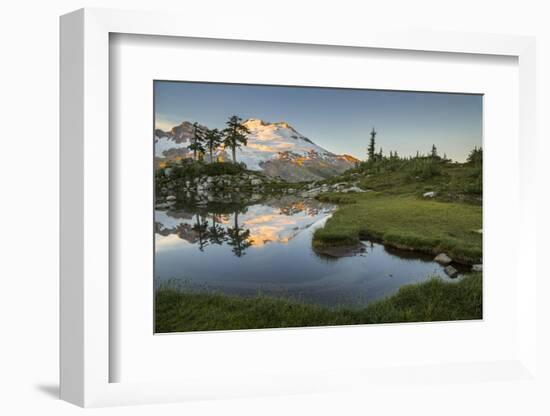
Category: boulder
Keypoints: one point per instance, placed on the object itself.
(430, 194)
(451, 271)
(353, 189)
(477, 268)
(443, 259)
(170, 198)
(312, 193)
(255, 182)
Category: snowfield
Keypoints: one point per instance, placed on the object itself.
(267, 141)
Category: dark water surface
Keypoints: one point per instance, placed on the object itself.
(266, 248)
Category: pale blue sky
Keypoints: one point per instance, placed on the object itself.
(337, 119)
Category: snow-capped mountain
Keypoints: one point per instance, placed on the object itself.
(274, 148)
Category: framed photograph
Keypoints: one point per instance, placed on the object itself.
(273, 214)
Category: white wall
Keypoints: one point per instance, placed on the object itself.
(29, 173)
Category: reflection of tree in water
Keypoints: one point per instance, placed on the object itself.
(211, 225)
(239, 238)
(201, 228)
(216, 233)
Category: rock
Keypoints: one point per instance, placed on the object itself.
(170, 198)
(430, 194)
(291, 190)
(353, 189)
(255, 182)
(451, 271)
(312, 193)
(477, 268)
(443, 259)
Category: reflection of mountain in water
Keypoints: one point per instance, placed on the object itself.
(276, 221)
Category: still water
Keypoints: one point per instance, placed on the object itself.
(266, 248)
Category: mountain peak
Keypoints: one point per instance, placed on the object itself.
(256, 122)
(283, 124)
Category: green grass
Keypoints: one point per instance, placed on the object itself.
(433, 300)
(406, 222)
(458, 182)
(455, 182)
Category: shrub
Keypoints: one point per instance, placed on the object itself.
(223, 168)
(188, 169)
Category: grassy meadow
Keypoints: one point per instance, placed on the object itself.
(406, 222)
(398, 212)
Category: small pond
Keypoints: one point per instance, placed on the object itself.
(266, 248)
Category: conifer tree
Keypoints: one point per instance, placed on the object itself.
(372, 145)
(235, 135)
(475, 156)
(213, 139)
(197, 141)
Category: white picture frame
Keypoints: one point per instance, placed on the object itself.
(85, 183)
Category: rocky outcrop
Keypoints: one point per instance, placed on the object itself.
(451, 271)
(443, 259)
(215, 189)
(313, 190)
